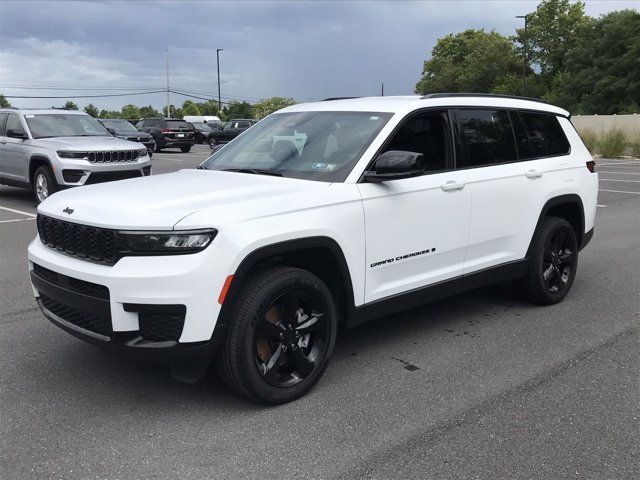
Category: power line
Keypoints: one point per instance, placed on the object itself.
(40, 87)
(85, 96)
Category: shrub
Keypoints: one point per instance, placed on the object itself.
(590, 139)
(635, 147)
(612, 143)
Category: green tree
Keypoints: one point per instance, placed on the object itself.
(110, 114)
(149, 111)
(552, 30)
(601, 72)
(267, 106)
(4, 103)
(210, 107)
(130, 112)
(237, 109)
(471, 61)
(92, 110)
(190, 108)
(70, 105)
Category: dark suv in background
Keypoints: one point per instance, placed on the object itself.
(169, 132)
(123, 129)
(229, 131)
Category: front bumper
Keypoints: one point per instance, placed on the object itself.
(124, 291)
(73, 173)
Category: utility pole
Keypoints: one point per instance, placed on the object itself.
(382, 90)
(218, 50)
(524, 62)
(168, 103)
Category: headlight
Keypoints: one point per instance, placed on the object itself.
(142, 152)
(186, 241)
(68, 154)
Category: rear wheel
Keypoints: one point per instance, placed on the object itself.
(280, 336)
(158, 149)
(44, 183)
(553, 262)
(185, 149)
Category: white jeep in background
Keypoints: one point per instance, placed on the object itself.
(322, 215)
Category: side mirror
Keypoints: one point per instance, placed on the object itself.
(395, 165)
(111, 131)
(16, 133)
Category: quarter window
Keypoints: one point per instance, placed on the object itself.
(544, 136)
(487, 137)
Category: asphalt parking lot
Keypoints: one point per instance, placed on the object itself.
(479, 386)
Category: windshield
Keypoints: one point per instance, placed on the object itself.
(320, 146)
(177, 124)
(119, 125)
(44, 125)
(200, 125)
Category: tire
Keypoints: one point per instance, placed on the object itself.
(212, 143)
(44, 184)
(553, 262)
(262, 357)
(158, 149)
(185, 149)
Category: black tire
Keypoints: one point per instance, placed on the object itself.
(212, 143)
(158, 149)
(553, 262)
(267, 360)
(43, 184)
(185, 149)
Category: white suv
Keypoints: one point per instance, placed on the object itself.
(322, 215)
(49, 150)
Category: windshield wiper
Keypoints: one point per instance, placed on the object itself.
(255, 171)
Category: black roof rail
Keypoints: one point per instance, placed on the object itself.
(484, 95)
(338, 98)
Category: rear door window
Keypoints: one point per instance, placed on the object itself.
(544, 136)
(486, 136)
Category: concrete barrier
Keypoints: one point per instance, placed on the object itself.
(599, 124)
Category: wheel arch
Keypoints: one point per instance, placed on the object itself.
(38, 161)
(320, 255)
(569, 207)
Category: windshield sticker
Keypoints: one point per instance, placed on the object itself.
(374, 118)
(324, 166)
(28, 116)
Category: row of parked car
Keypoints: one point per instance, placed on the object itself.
(50, 149)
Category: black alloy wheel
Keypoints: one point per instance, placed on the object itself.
(291, 338)
(558, 260)
(282, 327)
(552, 262)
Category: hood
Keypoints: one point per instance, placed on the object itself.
(159, 202)
(83, 144)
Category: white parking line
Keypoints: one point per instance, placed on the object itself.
(17, 220)
(626, 164)
(18, 211)
(619, 173)
(619, 191)
(618, 180)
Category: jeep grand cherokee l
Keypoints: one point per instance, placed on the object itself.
(120, 128)
(47, 150)
(322, 215)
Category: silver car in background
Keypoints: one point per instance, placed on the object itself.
(46, 150)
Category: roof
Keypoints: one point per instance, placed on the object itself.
(405, 104)
(28, 111)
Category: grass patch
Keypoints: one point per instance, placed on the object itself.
(612, 143)
(590, 140)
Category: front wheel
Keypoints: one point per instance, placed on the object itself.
(185, 149)
(212, 143)
(44, 183)
(553, 262)
(280, 337)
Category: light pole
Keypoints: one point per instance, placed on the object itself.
(524, 63)
(218, 50)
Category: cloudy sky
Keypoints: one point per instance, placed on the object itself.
(306, 50)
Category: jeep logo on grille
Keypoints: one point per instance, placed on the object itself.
(68, 210)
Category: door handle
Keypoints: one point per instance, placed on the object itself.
(451, 186)
(533, 174)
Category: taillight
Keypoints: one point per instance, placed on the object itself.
(591, 166)
(165, 130)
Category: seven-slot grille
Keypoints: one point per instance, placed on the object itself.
(91, 243)
(116, 156)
